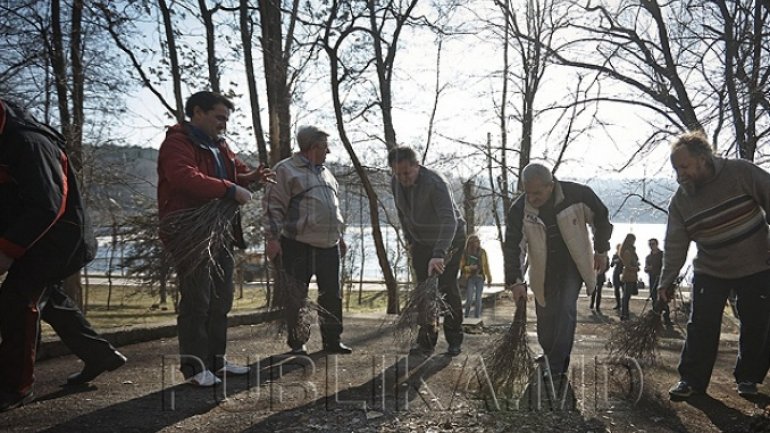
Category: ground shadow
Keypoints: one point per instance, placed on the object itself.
(725, 418)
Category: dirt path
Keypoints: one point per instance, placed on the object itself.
(381, 389)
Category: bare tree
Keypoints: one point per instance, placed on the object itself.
(332, 42)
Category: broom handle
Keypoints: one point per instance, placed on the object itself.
(521, 310)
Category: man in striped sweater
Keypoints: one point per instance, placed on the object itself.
(721, 205)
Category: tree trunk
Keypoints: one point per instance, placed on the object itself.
(275, 80)
(173, 57)
(248, 61)
(382, 255)
(211, 56)
(469, 205)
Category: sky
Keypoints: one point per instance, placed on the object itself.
(465, 111)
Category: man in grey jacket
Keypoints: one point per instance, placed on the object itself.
(433, 229)
(303, 225)
(721, 205)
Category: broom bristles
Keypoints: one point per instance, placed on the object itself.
(290, 296)
(509, 360)
(638, 338)
(423, 307)
(195, 238)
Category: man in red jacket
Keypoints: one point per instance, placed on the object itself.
(195, 166)
(44, 237)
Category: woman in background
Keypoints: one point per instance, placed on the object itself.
(630, 275)
(617, 263)
(474, 268)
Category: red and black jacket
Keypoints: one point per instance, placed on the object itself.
(43, 225)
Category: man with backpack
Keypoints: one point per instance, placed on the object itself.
(44, 238)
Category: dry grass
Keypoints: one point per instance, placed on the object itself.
(131, 306)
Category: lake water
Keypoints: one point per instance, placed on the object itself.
(371, 269)
(490, 242)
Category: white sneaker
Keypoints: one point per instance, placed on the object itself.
(235, 370)
(204, 378)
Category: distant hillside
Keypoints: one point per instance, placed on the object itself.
(125, 179)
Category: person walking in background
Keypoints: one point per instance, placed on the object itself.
(617, 271)
(653, 264)
(547, 227)
(630, 275)
(303, 226)
(601, 278)
(722, 206)
(474, 268)
(196, 166)
(433, 230)
(44, 237)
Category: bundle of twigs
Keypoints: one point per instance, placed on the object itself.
(290, 298)
(424, 306)
(509, 360)
(638, 338)
(195, 238)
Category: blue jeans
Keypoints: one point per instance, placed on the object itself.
(709, 295)
(556, 320)
(473, 294)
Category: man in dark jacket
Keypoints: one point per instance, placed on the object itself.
(547, 229)
(44, 237)
(195, 166)
(433, 229)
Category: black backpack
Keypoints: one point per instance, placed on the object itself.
(70, 244)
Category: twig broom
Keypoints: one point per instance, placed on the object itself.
(423, 307)
(508, 359)
(638, 338)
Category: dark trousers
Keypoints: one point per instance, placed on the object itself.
(629, 289)
(557, 319)
(205, 298)
(596, 296)
(617, 285)
(703, 329)
(654, 280)
(427, 336)
(23, 303)
(302, 261)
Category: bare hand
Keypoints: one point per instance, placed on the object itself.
(242, 195)
(343, 247)
(264, 174)
(5, 262)
(600, 262)
(519, 291)
(273, 249)
(666, 294)
(436, 265)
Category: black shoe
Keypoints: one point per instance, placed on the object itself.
(92, 369)
(338, 348)
(300, 350)
(681, 391)
(747, 389)
(454, 350)
(12, 400)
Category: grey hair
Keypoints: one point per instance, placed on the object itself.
(309, 135)
(534, 171)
